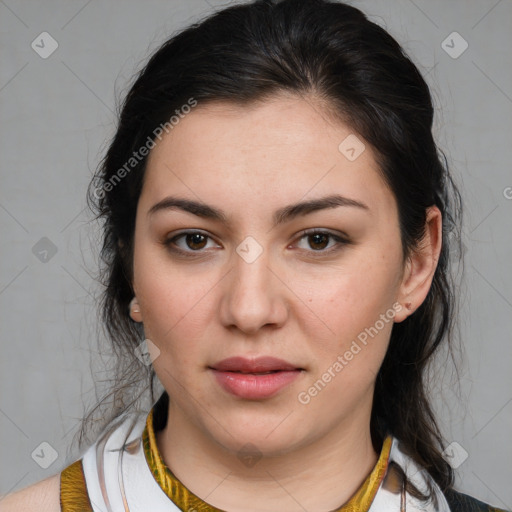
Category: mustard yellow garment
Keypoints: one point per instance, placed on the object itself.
(73, 491)
(74, 497)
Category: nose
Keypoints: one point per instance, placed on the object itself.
(254, 296)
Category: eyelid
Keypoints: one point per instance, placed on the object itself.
(313, 231)
(168, 240)
(340, 239)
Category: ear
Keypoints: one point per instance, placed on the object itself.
(133, 307)
(134, 310)
(421, 266)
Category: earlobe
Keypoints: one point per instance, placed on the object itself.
(133, 307)
(134, 310)
(405, 301)
(421, 266)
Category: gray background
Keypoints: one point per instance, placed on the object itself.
(57, 115)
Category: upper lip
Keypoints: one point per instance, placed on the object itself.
(259, 364)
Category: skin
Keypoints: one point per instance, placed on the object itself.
(250, 161)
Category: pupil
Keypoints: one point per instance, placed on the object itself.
(194, 239)
(317, 239)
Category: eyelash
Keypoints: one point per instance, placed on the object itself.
(340, 242)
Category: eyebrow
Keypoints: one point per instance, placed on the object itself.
(280, 216)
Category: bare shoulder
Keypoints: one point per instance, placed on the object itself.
(43, 496)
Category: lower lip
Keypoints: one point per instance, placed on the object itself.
(253, 386)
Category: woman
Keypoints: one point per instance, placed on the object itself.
(276, 254)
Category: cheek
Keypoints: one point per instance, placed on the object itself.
(346, 361)
(167, 291)
(173, 309)
(350, 302)
(172, 305)
(354, 295)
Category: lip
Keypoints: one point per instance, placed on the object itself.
(257, 365)
(245, 378)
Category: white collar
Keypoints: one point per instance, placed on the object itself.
(119, 479)
(390, 495)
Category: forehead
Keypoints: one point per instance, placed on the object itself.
(276, 151)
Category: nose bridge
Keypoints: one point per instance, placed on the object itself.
(251, 266)
(252, 298)
(251, 272)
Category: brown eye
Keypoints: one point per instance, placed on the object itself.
(195, 240)
(318, 240)
(188, 243)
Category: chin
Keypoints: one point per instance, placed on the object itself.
(263, 438)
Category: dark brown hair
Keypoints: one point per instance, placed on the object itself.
(246, 53)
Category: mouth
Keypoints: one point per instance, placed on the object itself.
(254, 379)
(261, 365)
(253, 373)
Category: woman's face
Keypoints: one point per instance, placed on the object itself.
(250, 283)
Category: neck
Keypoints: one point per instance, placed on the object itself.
(321, 475)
